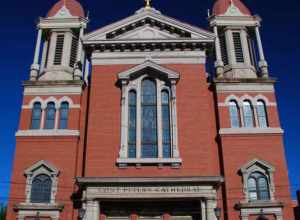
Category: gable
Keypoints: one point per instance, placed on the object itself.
(149, 24)
(146, 32)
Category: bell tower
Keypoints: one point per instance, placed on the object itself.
(59, 54)
(238, 49)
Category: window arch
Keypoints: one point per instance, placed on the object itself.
(149, 119)
(64, 115)
(41, 189)
(132, 124)
(258, 187)
(50, 116)
(234, 114)
(36, 115)
(248, 114)
(262, 114)
(166, 129)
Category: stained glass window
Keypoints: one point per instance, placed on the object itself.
(166, 134)
(258, 187)
(262, 114)
(132, 125)
(149, 119)
(50, 116)
(248, 114)
(234, 114)
(36, 116)
(64, 115)
(41, 189)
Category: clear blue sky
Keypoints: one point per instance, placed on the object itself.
(280, 33)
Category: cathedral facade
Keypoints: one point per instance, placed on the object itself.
(128, 122)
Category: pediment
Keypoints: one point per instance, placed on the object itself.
(149, 24)
(146, 32)
(162, 71)
(42, 167)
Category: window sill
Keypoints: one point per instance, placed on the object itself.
(39, 206)
(259, 204)
(46, 133)
(230, 131)
(174, 162)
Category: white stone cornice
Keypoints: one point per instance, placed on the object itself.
(160, 57)
(47, 133)
(53, 90)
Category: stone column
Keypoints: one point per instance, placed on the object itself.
(78, 65)
(175, 149)
(92, 210)
(124, 122)
(245, 47)
(262, 62)
(159, 120)
(35, 67)
(211, 204)
(230, 47)
(219, 65)
(279, 217)
(203, 210)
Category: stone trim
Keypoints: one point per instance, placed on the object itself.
(131, 79)
(57, 102)
(41, 167)
(250, 131)
(135, 57)
(174, 161)
(257, 165)
(53, 90)
(142, 16)
(38, 207)
(276, 211)
(83, 181)
(259, 204)
(47, 133)
(243, 87)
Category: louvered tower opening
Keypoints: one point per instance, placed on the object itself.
(238, 49)
(74, 50)
(59, 49)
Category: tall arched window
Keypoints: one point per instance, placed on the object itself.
(132, 124)
(50, 116)
(234, 114)
(248, 114)
(36, 116)
(41, 189)
(149, 119)
(64, 115)
(262, 114)
(258, 187)
(166, 130)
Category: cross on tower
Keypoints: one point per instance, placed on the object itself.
(148, 4)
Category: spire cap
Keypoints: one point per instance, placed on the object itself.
(233, 7)
(66, 8)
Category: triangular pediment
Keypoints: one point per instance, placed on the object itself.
(149, 24)
(146, 32)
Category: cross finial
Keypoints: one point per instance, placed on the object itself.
(148, 4)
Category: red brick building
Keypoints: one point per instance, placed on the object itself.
(127, 122)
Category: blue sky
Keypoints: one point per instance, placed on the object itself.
(280, 33)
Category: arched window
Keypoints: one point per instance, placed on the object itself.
(149, 119)
(234, 114)
(50, 116)
(132, 124)
(36, 116)
(248, 114)
(64, 115)
(41, 189)
(262, 114)
(258, 187)
(166, 131)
